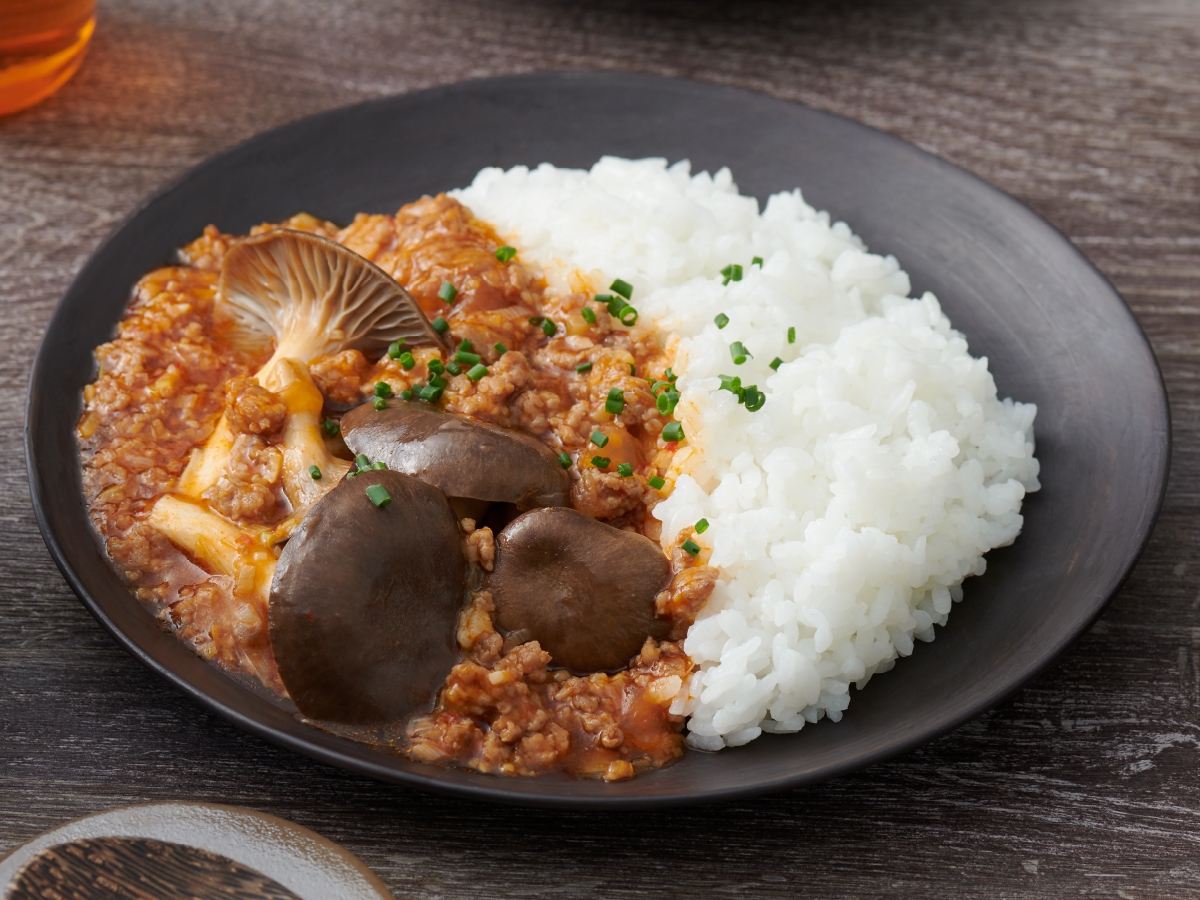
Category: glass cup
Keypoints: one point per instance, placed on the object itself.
(42, 43)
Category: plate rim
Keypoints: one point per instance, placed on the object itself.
(493, 788)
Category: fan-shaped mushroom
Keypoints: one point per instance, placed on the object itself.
(365, 600)
(582, 589)
(464, 457)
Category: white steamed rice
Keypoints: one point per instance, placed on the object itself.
(847, 511)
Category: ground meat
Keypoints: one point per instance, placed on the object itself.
(692, 583)
(251, 409)
(340, 377)
(606, 495)
(249, 489)
(479, 546)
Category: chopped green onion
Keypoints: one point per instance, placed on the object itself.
(691, 547)
(754, 398)
(589, 315)
(604, 298)
(616, 304)
(435, 366)
(378, 495)
(549, 329)
(477, 371)
(466, 345)
(722, 320)
(628, 316)
(732, 272)
(615, 403)
(583, 367)
(437, 381)
(430, 393)
(383, 389)
(351, 474)
(362, 461)
(406, 395)
(407, 361)
(654, 388)
(395, 349)
(535, 320)
(601, 462)
(379, 466)
(702, 526)
(447, 292)
(505, 253)
(599, 438)
(379, 403)
(315, 472)
(624, 288)
(440, 325)
(757, 261)
(656, 482)
(564, 460)
(467, 359)
(672, 431)
(632, 369)
(624, 469)
(666, 402)
(331, 427)
(776, 363)
(671, 376)
(792, 335)
(739, 353)
(499, 348)
(453, 368)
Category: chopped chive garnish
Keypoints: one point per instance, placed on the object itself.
(549, 329)
(379, 402)
(437, 381)
(430, 393)
(383, 389)
(732, 272)
(440, 325)
(632, 369)
(589, 315)
(599, 438)
(722, 320)
(757, 261)
(379, 466)
(477, 371)
(691, 547)
(739, 353)
(666, 402)
(466, 346)
(406, 395)
(395, 349)
(628, 316)
(435, 366)
(601, 462)
(499, 348)
(672, 431)
(671, 376)
(776, 363)
(453, 368)
(655, 482)
(315, 472)
(505, 253)
(407, 361)
(331, 427)
(467, 359)
(564, 460)
(615, 402)
(583, 367)
(754, 398)
(604, 298)
(535, 320)
(624, 469)
(616, 304)
(378, 495)
(362, 461)
(447, 292)
(624, 288)
(656, 386)
(792, 335)
(702, 526)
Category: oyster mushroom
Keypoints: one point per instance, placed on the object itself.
(464, 457)
(582, 589)
(365, 600)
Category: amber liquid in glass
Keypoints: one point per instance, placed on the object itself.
(42, 43)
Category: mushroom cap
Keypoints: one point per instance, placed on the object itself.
(316, 297)
(464, 457)
(582, 589)
(365, 601)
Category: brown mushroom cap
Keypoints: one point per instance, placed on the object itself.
(582, 589)
(463, 457)
(365, 600)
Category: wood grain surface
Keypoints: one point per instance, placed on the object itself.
(1086, 783)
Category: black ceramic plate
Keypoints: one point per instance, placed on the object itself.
(1055, 333)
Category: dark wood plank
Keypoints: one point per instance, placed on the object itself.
(1085, 783)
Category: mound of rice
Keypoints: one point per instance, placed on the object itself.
(846, 512)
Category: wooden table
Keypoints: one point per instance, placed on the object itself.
(1086, 783)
